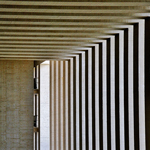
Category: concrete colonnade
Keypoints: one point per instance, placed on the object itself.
(97, 97)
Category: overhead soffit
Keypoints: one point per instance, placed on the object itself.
(39, 30)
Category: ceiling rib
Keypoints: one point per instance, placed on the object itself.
(40, 30)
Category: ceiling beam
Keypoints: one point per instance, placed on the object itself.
(49, 3)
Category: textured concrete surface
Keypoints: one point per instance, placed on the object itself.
(16, 94)
(102, 103)
(43, 25)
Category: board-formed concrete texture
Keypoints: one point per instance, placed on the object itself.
(16, 105)
(99, 68)
(41, 30)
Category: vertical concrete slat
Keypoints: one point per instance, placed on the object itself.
(61, 108)
(121, 90)
(112, 94)
(71, 107)
(57, 105)
(52, 138)
(126, 93)
(90, 144)
(54, 101)
(141, 58)
(104, 93)
(49, 104)
(80, 99)
(130, 88)
(97, 135)
(77, 104)
(39, 108)
(66, 105)
(83, 102)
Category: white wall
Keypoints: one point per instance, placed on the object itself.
(44, 106)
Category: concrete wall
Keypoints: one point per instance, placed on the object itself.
(16, 95)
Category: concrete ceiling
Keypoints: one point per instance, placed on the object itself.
(40, 30)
